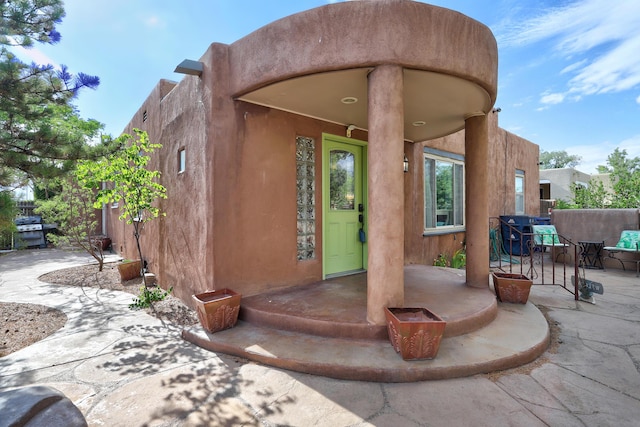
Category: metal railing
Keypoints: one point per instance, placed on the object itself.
(519, 253)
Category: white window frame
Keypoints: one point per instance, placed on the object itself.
(182, 160)
(519, 196)
(430, 219)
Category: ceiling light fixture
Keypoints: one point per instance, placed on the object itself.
(419, 123)
(349, 100)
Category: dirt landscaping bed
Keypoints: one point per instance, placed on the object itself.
(25, 324)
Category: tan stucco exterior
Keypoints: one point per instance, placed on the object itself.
(231, 215)
(560, 182)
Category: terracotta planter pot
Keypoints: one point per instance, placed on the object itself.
(513, 288)
(130, 269)
(415, 333)
(217, 310)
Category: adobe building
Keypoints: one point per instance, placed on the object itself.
(357, 137)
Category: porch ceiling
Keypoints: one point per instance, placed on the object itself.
(440, 101)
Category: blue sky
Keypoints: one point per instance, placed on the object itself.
(569, 71)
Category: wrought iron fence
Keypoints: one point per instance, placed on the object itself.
(516, 249)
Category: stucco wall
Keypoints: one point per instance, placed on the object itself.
(256, 233)
(597, 225)
(562, 180)
(175, 244)
(507, 153)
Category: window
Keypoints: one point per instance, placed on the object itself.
(443, 190)
(306, 195)
(519, 192)
(342, 180)
(181, 160)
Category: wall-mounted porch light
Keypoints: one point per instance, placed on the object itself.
(405, 164)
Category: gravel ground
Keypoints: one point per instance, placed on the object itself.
(24, 324)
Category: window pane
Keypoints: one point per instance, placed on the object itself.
(519, 184)
(444, 193)
(429, 190)
(519, 195)
(341, 180)
(182, 161)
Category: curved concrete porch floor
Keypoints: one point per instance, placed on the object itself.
(321, 329)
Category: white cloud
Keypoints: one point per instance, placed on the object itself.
(638, 99)
(604, 31)
(616, 71)
(552, 98)
(573, 66)
(33, 55)
(596, 154)
(631, 145)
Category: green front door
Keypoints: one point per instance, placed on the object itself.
(344, 205)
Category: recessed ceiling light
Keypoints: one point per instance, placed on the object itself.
(419, 123)
(349, 100)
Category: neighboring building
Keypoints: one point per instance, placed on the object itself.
(557, 184)
(283, 154)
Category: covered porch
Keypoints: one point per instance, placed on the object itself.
(322, 329)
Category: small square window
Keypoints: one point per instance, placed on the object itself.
(181, 160)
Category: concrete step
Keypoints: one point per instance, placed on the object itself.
(518, 335)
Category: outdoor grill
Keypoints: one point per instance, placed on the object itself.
(30, 233)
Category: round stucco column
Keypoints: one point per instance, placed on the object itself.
(476, 201)
(385, 270)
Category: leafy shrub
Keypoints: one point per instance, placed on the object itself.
(459, 259)
(148, 296)
(441, 261)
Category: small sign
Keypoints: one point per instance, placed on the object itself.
(589, 285)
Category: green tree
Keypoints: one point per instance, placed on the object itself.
(129, 182)
(558, 159)
(73, 211)
(625, 176)
(444, 185)
(41, 132)
(592, 197)
(8, 212)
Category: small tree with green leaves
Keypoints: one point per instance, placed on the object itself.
(592, 197)
(73, 211)
(8, 212)
(128, 182)
(625, 176)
